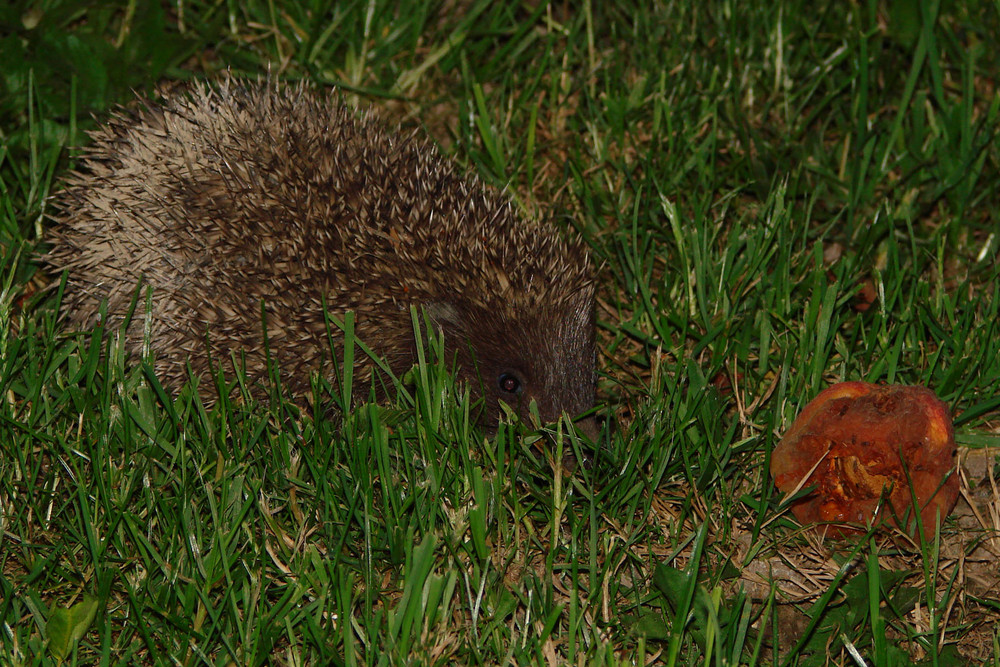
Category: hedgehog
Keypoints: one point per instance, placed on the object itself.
(258, 211)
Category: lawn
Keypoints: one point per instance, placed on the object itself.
(778, 196)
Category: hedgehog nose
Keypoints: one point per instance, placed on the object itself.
(587, 427)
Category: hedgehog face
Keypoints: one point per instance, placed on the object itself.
(546, 355)
(557, 384)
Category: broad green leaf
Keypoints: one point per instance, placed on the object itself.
(66, 626)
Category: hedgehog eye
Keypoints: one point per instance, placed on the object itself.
(509, 383)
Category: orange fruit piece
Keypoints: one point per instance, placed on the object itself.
(870, 450)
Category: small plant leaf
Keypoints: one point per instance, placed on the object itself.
(66, 626)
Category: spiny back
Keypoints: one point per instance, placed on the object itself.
(228, 196)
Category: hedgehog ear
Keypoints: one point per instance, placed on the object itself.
(445, 315)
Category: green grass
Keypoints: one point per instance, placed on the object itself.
(740, 170)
